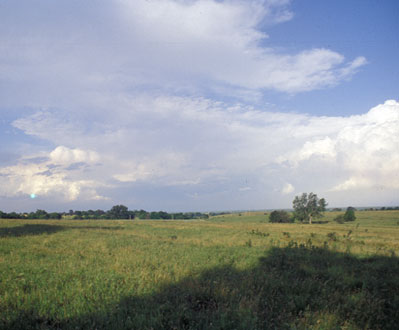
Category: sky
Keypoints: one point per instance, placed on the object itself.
(198, 105)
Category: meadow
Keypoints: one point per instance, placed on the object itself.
(233, 271)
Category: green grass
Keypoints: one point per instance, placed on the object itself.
(230, 272)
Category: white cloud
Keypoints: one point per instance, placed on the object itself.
(56, 126)
(211, 146)
(50, 175)
(153, 167)
(288, 188)
(323, 148)
(64, 155)
(174, 46)
(220, 42)
(365, 148)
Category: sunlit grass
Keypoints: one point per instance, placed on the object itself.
(69, 273)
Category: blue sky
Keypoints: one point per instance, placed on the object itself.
(198, 105)
(352, 28)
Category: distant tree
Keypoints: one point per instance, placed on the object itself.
(160, 215)
(32, 215)
(99, 214)
(178, 216)
(154, 215)
(41, 214)
(280, 216)
(322, 204)
(141, 214)
(54, 215)
(118, 212)
(308, 206)
(13, 215)
(78, 215)
(164, 215)
(350, 214)
(4, 215)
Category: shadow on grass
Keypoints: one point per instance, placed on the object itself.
(320, 222)
(38, 229)
(294, 287)
(29, 229)
(96, 227)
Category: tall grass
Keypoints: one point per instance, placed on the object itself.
(200, 274)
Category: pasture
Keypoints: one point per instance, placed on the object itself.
(228, 272)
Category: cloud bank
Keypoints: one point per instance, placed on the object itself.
(202, 148)
(76, 55)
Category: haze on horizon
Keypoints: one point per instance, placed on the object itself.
(198, 105)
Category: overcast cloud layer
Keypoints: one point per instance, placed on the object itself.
(125, 102)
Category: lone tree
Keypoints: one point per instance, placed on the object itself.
(350, 214)
(307, 207)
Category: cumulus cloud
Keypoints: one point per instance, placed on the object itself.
(323, 148)
(169, 45)
(370, 150)
(363, 147)
(287, 189)
(64, 155)
(211, 148)
(48, 175)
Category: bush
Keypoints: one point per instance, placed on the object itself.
(339, 218)
(350, 214)
(280, 216)
(332, 236)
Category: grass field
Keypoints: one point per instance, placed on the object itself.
(228, 272)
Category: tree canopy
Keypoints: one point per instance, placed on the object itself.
(350, 214)
(308, 206)
(119, 212)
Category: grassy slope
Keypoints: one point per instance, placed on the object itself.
(230, 272)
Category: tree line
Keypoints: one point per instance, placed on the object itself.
(116, 212)
(308, 207)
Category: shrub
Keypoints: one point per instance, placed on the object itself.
(339, 218)
(332, 236)
(350, 214)
(258, 233)
(280, 216)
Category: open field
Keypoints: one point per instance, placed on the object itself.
(228, 272)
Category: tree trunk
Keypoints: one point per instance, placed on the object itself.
(310, 219)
